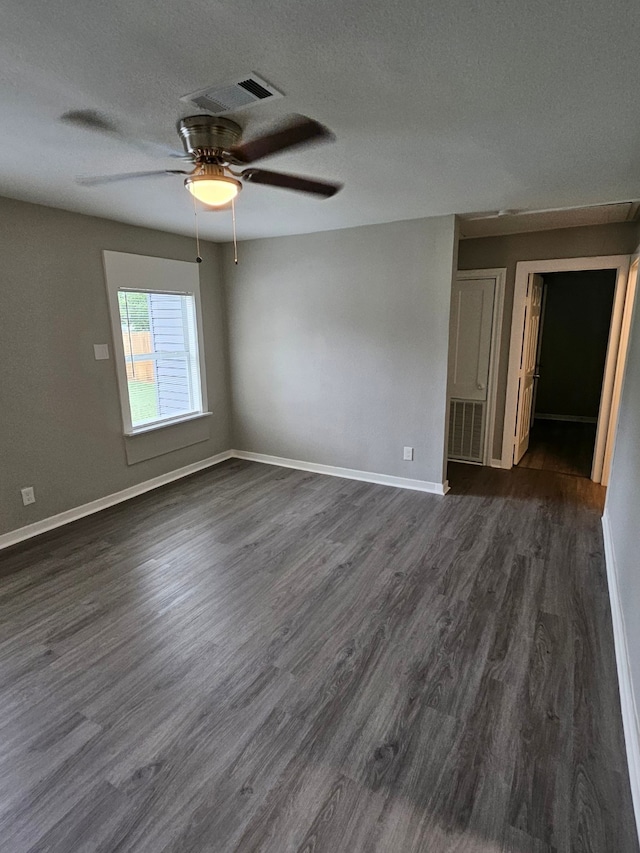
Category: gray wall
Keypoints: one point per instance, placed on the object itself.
(574, 342)
(489, 252)
(623, 502)
(60, 423)
(338, 345)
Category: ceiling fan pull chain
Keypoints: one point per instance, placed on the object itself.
(195, 216)
(235, 242)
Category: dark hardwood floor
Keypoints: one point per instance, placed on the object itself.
(260, 659)
(561, 446)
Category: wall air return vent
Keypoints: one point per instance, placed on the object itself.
(466, 430)
(245, 91)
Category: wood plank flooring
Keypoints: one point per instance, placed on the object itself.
(561, 446)
(261, 659)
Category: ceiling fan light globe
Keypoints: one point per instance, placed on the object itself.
(214, 191)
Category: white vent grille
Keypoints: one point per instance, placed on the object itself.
(237, 95)
(466, 430)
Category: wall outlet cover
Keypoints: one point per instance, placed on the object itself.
(408, 454)
(101, 351)
(28, 495)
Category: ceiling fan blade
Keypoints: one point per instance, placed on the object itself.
(97, 180)
(298, 183)
(97, 122)
(90, 120)
(291, 182)
(300, 131)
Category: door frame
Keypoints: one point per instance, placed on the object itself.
(528, 362)
(619, 263)
(623, 351)
(499, 274)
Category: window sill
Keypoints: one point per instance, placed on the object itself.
(143, 430)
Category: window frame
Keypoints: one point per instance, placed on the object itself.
(145, 274)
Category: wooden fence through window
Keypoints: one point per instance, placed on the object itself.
(138, 343)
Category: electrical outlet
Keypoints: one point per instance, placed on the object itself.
(28, 495)
(408, 454)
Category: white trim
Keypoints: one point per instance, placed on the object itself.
(169, 422)
(500, 276)
(495, 463)
(347, 473)
(630, 718)
(13, 537)
(524, 269)
(610, 365)
(573, 419)
(623, 351)
(153, 275)
(38, 527)
(466, 462)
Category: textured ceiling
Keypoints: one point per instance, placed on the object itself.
(439, 107)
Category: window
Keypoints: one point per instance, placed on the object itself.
(155, 312)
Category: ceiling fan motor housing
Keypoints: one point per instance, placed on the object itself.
(206, 136)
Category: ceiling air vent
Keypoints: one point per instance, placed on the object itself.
(237, 95)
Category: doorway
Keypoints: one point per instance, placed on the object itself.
(569, 359)
(526, 352)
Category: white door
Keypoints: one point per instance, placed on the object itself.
(526, 376)
(470, 341)
(469, 359)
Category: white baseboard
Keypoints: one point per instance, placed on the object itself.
(500, 463)
(627, 700)
(347, 473)
(572, 419)
(22, 533)
(38, 527)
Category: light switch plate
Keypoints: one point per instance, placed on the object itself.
(101, 351)
(408, 454)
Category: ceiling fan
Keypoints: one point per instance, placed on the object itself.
(213, 145)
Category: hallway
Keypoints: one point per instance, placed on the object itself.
(562, 447)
